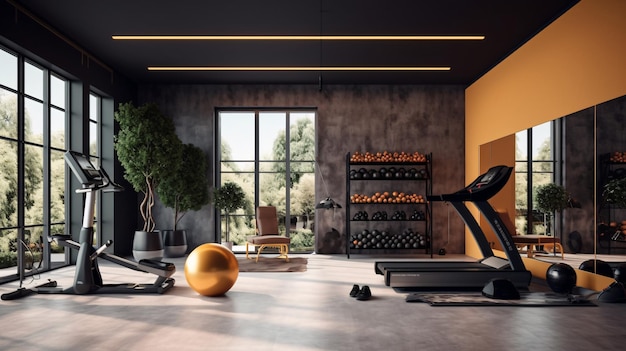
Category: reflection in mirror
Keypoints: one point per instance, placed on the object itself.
(534, 167)
(611, 144)
(576, 151)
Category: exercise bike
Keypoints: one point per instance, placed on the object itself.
(87, 277)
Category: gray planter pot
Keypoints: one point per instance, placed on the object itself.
(174, 243)
(147, 245)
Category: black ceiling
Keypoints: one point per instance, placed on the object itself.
(506, 24)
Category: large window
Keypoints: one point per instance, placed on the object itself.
(33, 134)
(537, 156)
(271, 155)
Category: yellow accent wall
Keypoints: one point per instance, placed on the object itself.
(498, 152)
(576, 62)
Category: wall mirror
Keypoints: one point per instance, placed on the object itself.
(586, 150)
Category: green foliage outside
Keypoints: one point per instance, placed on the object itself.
(273, 186)
(301, 148)
(33, 182)
(542, 175)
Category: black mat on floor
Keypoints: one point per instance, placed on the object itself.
(528, 299)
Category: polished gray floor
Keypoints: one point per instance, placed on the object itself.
(309, 311)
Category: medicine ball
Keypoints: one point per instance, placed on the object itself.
(561, 278)
(600, 267)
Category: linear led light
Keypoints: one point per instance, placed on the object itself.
(265, 68)
(298, 37)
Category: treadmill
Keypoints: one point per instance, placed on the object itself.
(465, 275)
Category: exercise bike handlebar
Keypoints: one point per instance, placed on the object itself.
(91, 178)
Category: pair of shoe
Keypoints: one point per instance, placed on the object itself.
(361, 294)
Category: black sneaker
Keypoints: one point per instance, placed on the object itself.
(355, 291)
(364, 294)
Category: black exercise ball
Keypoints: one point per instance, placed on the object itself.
(601, 268)
(561, 278)
(620, 273)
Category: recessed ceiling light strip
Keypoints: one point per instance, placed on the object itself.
(299, 37)
(265, 68)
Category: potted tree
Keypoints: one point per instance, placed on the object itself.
(187, 190)
(146, 146)
(229, 197)
(551, 198)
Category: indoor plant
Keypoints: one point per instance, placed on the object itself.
(551, 198)
(187, 190)
(229, 197)
(146, 146)
(614, 193)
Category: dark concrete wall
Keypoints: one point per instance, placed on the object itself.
(579, 178)
(350, 118)
(579, 168)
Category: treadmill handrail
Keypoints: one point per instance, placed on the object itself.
(489, 184)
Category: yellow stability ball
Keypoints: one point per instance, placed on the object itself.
(211, 269)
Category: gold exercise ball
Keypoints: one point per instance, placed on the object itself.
(211, 269)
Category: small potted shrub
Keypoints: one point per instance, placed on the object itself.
(229, 198)
(551, 198)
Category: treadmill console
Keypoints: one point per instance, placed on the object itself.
(481, 189)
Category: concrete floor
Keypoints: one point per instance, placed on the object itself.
(292, 311)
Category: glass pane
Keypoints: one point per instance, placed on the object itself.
(521, 200)
(57, 252)
(8, 114)
(239, 228)
(543, 167)
(521, 145)
(272, 191)
(33, 81)
(33, 184)
(302, 214)
(237, 135)
(302, 136)
(57, 91)
(57, 128)
(8, 249)
(272, 136)
(298, 169)
(8, 184)
(232, 166)
(272, 183)
(33, 121)
(542, 142)
(57, 187)
(94, 108)
(93, 138)
(33, 248)
(8, 70)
